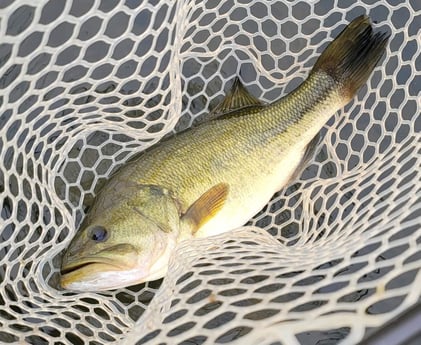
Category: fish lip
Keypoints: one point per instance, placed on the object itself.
(76, 266)
(71, 263)
(76, 273)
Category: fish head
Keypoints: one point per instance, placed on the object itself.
(129, 243)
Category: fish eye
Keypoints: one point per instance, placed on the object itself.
(99, 233)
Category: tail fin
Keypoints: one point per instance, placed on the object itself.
(352, 56)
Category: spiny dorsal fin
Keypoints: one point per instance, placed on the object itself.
(208, 204)
(237, 98)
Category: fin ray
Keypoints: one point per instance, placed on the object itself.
(206, 206)
(237, 98)
(309, 152)
(351, 57)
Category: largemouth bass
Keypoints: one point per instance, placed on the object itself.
(215, 176)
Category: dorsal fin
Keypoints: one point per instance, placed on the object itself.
(206, 206)
(237, 98)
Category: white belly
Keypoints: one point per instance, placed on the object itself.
(244, 201)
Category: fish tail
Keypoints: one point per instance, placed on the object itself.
(352, 56)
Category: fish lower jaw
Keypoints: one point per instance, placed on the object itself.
(87, 275)
(104, 276)
(102, 281)
(107, 279)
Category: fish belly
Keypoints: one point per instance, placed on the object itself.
(246, 200)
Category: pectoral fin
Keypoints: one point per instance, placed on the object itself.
(207, 206)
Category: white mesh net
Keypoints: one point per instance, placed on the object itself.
(87, 84)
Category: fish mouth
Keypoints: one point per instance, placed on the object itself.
(70, 267)
(71, 264)
(86, 271)
(76, 267)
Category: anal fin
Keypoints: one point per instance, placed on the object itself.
(309, 152)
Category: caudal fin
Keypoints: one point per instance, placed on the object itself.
(352, 56)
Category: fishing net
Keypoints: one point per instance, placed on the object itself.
(85, 85)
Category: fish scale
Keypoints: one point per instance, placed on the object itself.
(215, 176)
(252, 143)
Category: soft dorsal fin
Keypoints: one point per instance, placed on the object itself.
(237, 98)
(208, 204)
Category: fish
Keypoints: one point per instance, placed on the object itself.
(216, 175)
